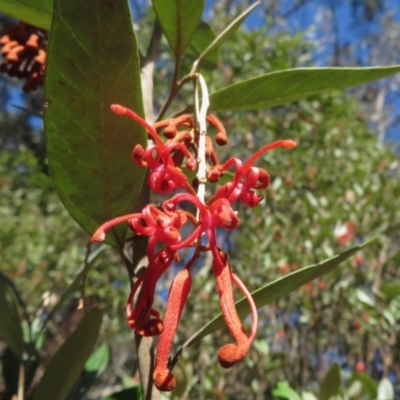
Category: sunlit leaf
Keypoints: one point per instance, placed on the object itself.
(308, 396)
(202, 37)
(385, 390)
(227, 33)
(365, 298)
(284, 391)
(391, 289)
(10, 321)
(34, 12)
(331, 383)
(98, 361)
(278, 288)
(94, 367)
(67, 364)
(369, 386)
(281, 87)
(92, 63)
(179, 20)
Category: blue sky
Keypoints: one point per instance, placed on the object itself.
(307, 19)
(310, 19)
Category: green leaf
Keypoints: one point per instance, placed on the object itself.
(385, 390)
(183, 380)
(368, 384)
(11, 285)
(227, 33)
(365, 298)
(202, 37)
(284, 391)
(98, 361)
(354, 390)
(133, 393)
(10, 321)
(308, 396)
(391, 289)
(277, 289)
(281, 87)
(67, 364)
(92, 62)
(331, 382)
(127, 381)
(34, 12)
(10, 365)
(94, 367)
(179, 20)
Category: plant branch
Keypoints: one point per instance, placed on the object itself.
(21, 381)
(201, 114)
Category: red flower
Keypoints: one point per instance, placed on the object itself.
(162, 224)
(165, 175)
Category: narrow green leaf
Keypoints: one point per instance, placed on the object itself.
(202, 37)
(92, 62)
(368, 384)
(33, 12)
(354, 390)
(179, 20)
(308, 396)
(10, 365)
(183, 380)
(94, 367)
(284, 391)
(330, 385)
(385, 390)
(365, 298)
(10, 321)
(391, 289)
(277, 289)
(99, 359)
(227, 33)
(67, 364)
(281, 87)
(11, 284)
(133, 393)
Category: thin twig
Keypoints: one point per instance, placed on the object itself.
(201, 114)
(21, 381)
(84, 274)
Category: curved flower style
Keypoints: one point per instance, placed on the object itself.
(247, 177)
(139, 316)
(163, 224)
(165, 175)
(161, 227)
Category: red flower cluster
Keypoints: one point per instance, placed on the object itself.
(163, 226)
(24, 53)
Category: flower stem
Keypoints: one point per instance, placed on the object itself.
(201, 115)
